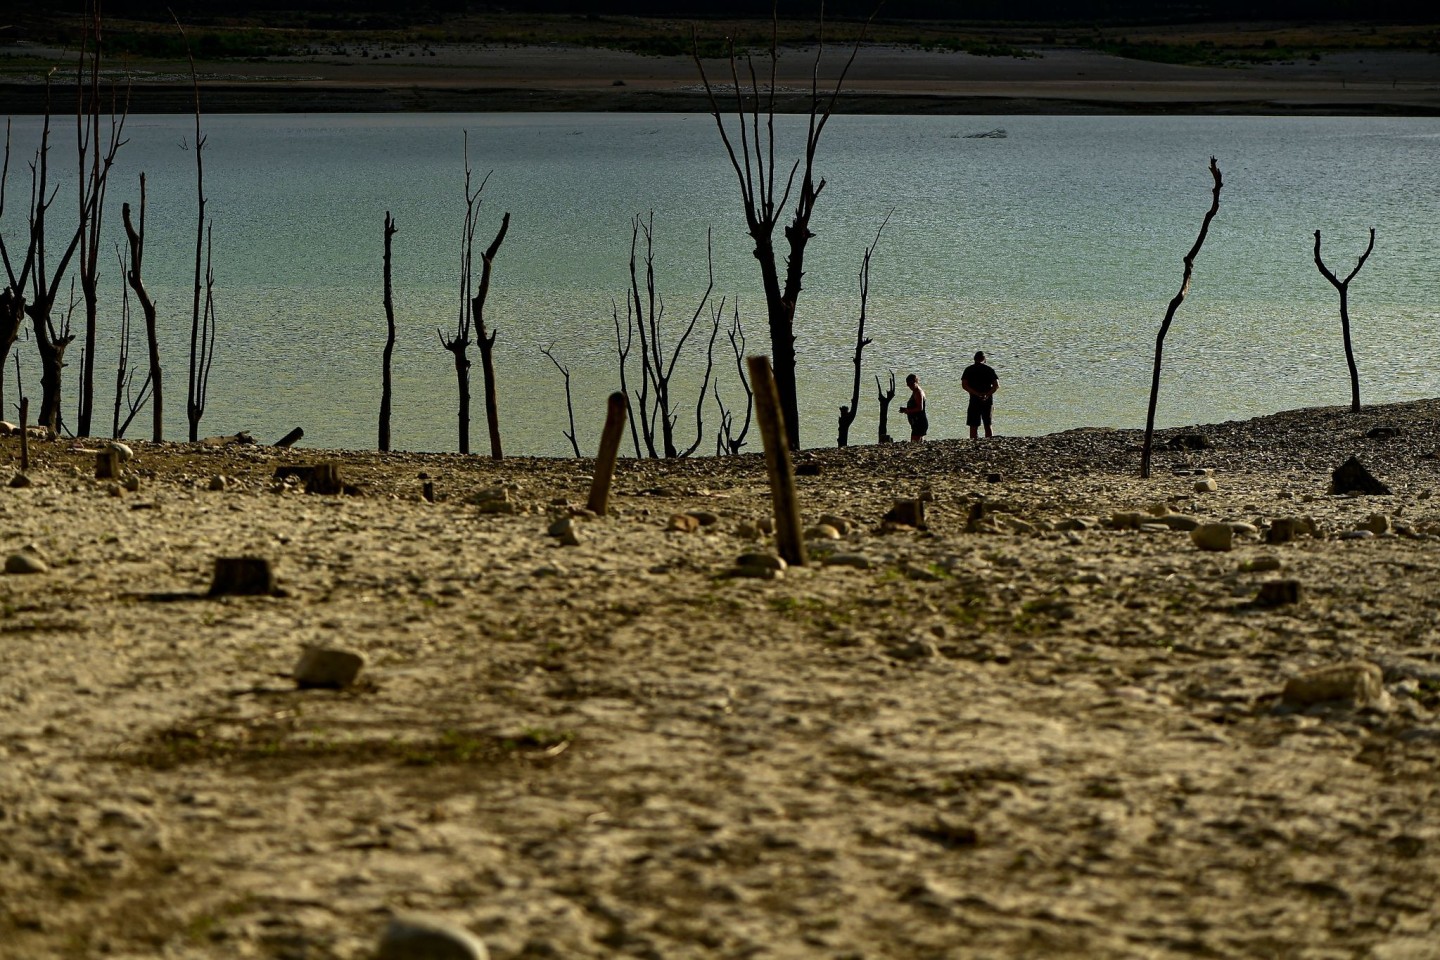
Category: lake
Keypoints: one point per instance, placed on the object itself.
(1055, 249)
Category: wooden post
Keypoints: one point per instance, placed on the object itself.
(107, 464)
(293, 437)
(242, 576)
(24, 434)
(789, 538)
(615, 412)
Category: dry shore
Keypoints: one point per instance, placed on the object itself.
(884, 79)
(1046, 725)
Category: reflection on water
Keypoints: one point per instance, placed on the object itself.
(1055, 249)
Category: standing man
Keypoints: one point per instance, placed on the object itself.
(980, 381)
(915, 410)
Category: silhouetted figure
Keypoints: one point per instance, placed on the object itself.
(915, 410)
(980, 381)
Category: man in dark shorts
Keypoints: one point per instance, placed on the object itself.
(915, 410)
(981, 382)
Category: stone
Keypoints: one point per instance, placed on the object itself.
(1284, 529)
(1278, 593)
(1243, 529)
(107, 464)
(1127, 520)
(822, 531)
(994, 477)
(1352, 477)
(1382, 433)
(1358, 683)
(242, 576)
(123, 449)
(1260, 564)
(328, 668)
(566, 530)
(910, 513)
(748, 530)
(1179, 521)
(760, 561)
(25, 562)
(1188, 441)
(682, 523)
(1356, 535)
(857, 561)
(414, 937)
(1207, 485)
(843, 524)
(1073, 524)
(218, 482)
(131, 482)
(1213, 536)
(20, 480)
(1377, 523)
(705, 518)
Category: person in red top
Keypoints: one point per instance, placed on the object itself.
(915, 410)
(980, 381)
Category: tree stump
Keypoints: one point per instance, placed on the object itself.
(242, 577)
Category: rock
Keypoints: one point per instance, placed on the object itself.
(1284, 529)
(20, 480)
(843, 524)
(856, 560)
(1188, 441)
(1077, 523)
(760, 561)
(427, 938)
(1352, 477)
(1278, 593)
(25, 563)
(1179, 521)
(1127, 520)
(994, 477)
(766, 525)
(1243, 529)
(748, 530)
(1207, 485)
(8, 429)
(1260, 564)
(811, 469)
(123, 449)
(910, 513)
(1377, 523)
(1357, 682)
(913, 649)
(1356, 535)
(682, 523)
(131, 483)
(566, 530)
(924, 574)
(705, 518)
(1213, 536)
(327, 667)
(242, 576)
(218, 482)
(822, 531)
(1382, 433)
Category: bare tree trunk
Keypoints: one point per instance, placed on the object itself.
(758, 176)
(1344, 287)
(135, 277)
(1170, 315)
(727, 440)
(884, 397)
(12, 317)
(389, 352)
(486, 341)
(202, 343)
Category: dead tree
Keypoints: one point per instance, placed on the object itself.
(135, 277)
(759, 176)
(471, 317)
(569, 402)
(645, 311)
(202, 313)
(44, 283)
(1344, 287)
(884, 397)
(622, 350)
(124, 376)
(727, 440)
(486, 340)
(1170, 315)
(12, 318)
(389, 351)
(847, 414)
(94, 171)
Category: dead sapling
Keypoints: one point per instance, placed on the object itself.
(135, 277)
(202, 315)
(883, 397)
(645, 314)
(727, 440)
(132, 402)
(847, 413)
(1170, 315)
(1344, 287)
(569, 400)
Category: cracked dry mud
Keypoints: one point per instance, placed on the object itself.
(1023, 741)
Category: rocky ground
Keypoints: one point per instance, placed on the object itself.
(1047, 725)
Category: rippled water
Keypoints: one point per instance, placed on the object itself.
(1055, 249)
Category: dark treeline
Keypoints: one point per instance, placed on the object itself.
(391, 12)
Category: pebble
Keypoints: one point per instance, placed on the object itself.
(428, 938)
(1243, 529)
(822, 531)
(705, 518)
(842, 524)
(1179, 521)
(1213, 536)
(1377, 523)
(218, 482)
(1207, 485)
(760, 561)
(20, 480)
(1260, 564)
(856, 560)
(327, 667)
(25, 563)
(682, 523)
(1356, 535)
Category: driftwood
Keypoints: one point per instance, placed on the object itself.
(1170, 315)
(883, 397)
(293, 437)
(389, 352)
